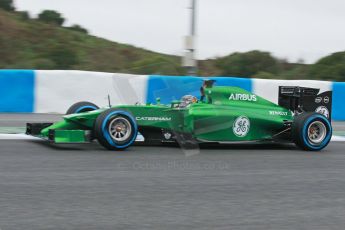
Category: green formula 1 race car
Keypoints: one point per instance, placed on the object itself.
(225, 115)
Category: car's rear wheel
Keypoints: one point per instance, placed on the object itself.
(82, 107)
(311, 131)
(115, 129)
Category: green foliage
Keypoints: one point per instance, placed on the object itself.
(247, 64)
(7, 5)
(78, 28)
(39, 45)
(288, 70)
(331, 67)
(35, 44)
(44, 64)
(24, 15)
(51, 16)
(264, 75)
(157, 65)
(63, 56)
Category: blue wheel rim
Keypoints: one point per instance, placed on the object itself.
(305, 132)
(83, 108)
(106, 132)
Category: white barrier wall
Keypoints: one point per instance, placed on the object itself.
(31, 91)
(269, 89)
(56, 91)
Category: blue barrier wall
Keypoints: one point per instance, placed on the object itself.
(17, 91)
(169, 88)
(338, 104)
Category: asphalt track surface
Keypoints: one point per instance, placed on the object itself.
(232, 187)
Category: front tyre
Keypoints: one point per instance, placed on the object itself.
(82, 107)
(311, 131)
(115, 129)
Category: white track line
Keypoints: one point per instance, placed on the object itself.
(17, 137)
(338, 139)
(27, 137)
(139, 138)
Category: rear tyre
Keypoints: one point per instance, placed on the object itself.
(311, 131)
(82, 107)
(115, 129)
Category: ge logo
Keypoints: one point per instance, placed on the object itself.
(322, 110)
(241, 126)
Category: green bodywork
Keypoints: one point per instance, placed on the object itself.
(209, 121)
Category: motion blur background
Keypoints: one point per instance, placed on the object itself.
(251, 39)
(46, 44)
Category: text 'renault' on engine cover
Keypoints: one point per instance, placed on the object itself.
(306, 99)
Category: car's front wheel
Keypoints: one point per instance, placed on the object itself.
(311, 131)
(81, 107)
(115, 129)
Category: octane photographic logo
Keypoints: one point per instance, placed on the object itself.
(322, 110)
(241, 126)
(242, 97)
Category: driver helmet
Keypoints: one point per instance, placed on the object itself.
(187, 100)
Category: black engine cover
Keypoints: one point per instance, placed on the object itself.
(305, 99)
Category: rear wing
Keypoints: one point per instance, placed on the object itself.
(302, 99)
